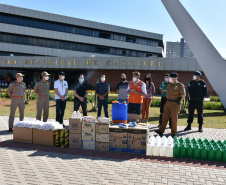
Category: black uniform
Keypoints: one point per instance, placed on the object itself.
(197, 90)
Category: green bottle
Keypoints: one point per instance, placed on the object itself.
(224, 155)
(176, 151)
(190, 152)
(204, 153)
(211, 154)
(197, 152)
(218, 156)
(183, 151)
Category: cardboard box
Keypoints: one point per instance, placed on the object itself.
(75, 141)
(23, 135)
(133, 118)
(89, 119)
(43, 137)
(75, 125)
(88, 136)
(102, 128)
(118, 138)
(104, 138)
(102, 146)
(88, 145)
(88, 127)
(137, 139)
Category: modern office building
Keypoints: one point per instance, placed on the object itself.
(25, 32)
(178, 50)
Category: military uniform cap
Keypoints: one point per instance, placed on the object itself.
(19, 75)
(173, 75)
(167, 75)
(44, 73)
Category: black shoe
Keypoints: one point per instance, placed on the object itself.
(169, 126)
(158, 125)
(159, 133)
(63, 125)
(187, 128)
(10, 129)
(200, 128)
(173, 135)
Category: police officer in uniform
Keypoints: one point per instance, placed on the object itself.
(175, 94)
(42, 90)
(163, 88)
(16, 92)
(197, 90)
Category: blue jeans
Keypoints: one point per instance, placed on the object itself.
(60, 108)
(134, 108)
(101, 103)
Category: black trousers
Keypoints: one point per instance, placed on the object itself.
(103, 103)
(60, 108)
(163, 102)
(195, 104)
(77, 104)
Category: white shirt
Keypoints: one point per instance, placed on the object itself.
(144, 90)
(61, 86)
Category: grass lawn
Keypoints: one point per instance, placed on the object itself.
(212, 118)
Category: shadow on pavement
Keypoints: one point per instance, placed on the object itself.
(5, 132)
(69, 154)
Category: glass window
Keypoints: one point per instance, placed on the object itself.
(124, 52)
(105, 35)
(35, 42)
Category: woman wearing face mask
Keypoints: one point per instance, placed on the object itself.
(150, 88)
(42, 90)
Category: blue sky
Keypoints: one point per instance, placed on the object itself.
(147, 15)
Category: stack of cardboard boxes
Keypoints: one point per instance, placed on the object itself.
(75, 133)
(88, 134)
(102, 136)
(137, 138)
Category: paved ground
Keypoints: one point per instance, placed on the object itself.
(32, 164)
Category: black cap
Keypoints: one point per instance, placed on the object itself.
(167, 75)
(173, 75)
(61, 73)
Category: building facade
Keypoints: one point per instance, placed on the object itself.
(25, 32)
(178, 49)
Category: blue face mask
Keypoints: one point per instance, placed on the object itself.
(82, 80)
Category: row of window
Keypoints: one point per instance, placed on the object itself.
(47, 25)
(49, 43)
(3, 53)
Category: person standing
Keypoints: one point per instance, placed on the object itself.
(102, 91)
(16, 92)
(42, 90)
(163, 88)
(175, 94)
(80, 94)
(150, 88)
(136, 90)
(197, 89)
(122, 89)
(61, 91)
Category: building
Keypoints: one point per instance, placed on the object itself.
(25, 32)
(178, 49)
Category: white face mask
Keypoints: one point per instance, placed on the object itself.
(46, 78)
(82, 80)
(167, 79)
(103, 79)
(63, 77)
(170, 80)
(194, 77)
(134, 79)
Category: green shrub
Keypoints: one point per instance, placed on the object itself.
(213, 106)
(214, 99)
(51, 96)
(156, 103)
(4, 95)
(70, 97)
(33, 96)
(111, 99)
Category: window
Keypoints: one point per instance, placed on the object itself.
(124, 52)
(105, 35)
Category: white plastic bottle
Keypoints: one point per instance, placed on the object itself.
(78, 114)
(74, 114)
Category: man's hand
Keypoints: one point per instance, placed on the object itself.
(81, 99)
(101, 97)
(135, 92)
(62, 98)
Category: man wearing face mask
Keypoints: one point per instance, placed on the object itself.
(42, 90)
(61, 91)
(136, 90)
(175, 94)
(102, 91)
(16, 92)
(122, 89)
(163, 88)
(197, 90)
(81, 93)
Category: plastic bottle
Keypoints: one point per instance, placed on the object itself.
(204, 153)
(176, 150)
(78, 114)
(190, 152)
(169, 149)
(218, 155)
(149, 150)
(211, 154)
(183, 151)
(224, 155)
(74, 114)
(162, 149)
(156, 149)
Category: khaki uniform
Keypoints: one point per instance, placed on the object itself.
(42, 89)
(171, 108)
(17, 99)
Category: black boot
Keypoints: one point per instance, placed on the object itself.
(188, 127)
(159, 133)
(200, 128)
(10, 129)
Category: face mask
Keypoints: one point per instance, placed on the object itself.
(170, 80)
(134, 79)
(167, 79)
(194, 77)
(47, 78)
(123, 79)
(63, 77)
(103, 79)
(82, 80)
